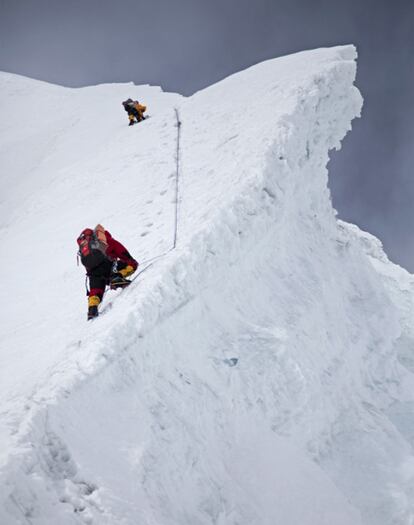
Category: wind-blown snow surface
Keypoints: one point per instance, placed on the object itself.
(261, 372)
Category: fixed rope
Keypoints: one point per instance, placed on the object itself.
(177, 175)
(149, 262)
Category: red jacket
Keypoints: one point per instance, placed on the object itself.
(115, 250)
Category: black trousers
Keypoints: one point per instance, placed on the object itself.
(100, 276)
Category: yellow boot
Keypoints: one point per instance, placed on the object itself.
(93, 303)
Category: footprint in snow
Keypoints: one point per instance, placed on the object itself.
(231, 362)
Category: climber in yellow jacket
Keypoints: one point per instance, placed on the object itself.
(135, 110)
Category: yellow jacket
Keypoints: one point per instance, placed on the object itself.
(139, 107)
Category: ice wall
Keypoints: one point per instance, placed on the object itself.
(260, 372)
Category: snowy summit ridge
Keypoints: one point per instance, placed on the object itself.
(260, 372)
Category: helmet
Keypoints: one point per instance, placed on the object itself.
(87, 232)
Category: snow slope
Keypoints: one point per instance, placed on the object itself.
(259, 373)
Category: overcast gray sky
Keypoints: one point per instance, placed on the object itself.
(185, 45)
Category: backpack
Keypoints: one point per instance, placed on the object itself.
(91, 251)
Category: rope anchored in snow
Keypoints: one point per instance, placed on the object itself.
(177, 175)
(149, 262)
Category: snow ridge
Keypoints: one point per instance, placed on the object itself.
(259, 372)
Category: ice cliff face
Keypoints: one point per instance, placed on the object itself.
(261, 372)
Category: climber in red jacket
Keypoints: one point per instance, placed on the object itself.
(107, 262)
